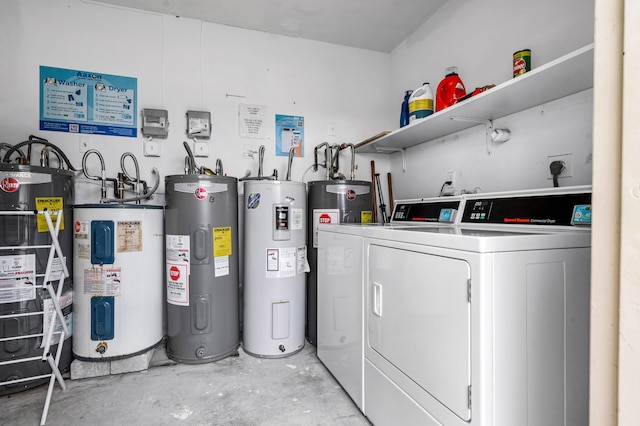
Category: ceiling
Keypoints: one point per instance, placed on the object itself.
(379, 25)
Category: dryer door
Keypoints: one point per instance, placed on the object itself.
(419, 320)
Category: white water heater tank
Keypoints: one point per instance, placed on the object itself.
(275, 266)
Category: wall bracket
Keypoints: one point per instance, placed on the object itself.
(492, 135)
(401, 150)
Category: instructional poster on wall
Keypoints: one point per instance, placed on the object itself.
(289, 134)
(251, 121)
(76, 101)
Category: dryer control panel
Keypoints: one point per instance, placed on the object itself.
(427, 211)
(549, 209)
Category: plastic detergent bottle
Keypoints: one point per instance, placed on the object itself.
(450, 89)
(404, 112)
(421, 102)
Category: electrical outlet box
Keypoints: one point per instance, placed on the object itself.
(567, 159)
(201, 149)
(151, 148)
(155, 122)
(199, 124)
(332, 129)
(451, 177)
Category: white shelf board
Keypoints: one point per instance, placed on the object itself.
(561, 77)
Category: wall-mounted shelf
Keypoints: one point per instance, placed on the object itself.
(569, 74)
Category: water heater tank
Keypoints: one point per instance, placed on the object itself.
(275, 266)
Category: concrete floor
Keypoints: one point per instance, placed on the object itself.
(237, 390)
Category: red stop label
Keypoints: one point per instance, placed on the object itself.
(324, 218)
(78, 227)
(174, 273)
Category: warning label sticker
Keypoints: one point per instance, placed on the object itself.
(297, 219)
(81, 229)
(222, 243)
(66, 306)
(51, 204)
(177, 284)
(102, 281)
(129, 236)
(221, 264)
(323, 217)
(17, 278)
(178, 247)
(281, 262)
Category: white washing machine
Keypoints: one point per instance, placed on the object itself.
(340, 272)
(485, 322)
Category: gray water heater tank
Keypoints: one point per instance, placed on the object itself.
(201, 243)
(29, 188)
(331, 202)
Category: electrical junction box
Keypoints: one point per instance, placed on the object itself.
(155, 122)
(199, 124)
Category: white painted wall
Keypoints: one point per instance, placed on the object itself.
(480, 37)
(184, 64)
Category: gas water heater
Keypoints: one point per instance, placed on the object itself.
(275, 266)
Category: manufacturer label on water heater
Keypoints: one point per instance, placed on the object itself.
(9, 184)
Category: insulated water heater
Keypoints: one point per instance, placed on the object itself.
(118, 291)
(275, 266)
(201, 223)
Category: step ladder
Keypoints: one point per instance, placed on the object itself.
(50, 278)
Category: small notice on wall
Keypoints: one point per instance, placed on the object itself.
(76, 101)
(251, 121)
(289, 134)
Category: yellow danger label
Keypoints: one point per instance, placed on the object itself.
(366, 216)
(222, 245)
(52, 204)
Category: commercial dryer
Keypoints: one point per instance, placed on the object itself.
(485, 322)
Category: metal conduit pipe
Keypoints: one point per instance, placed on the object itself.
(291, 152)
(260, 160)
(219, 169)
(192, 159)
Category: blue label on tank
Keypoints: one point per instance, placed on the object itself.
(253, 200)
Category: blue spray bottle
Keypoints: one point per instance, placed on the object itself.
(404, 113)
